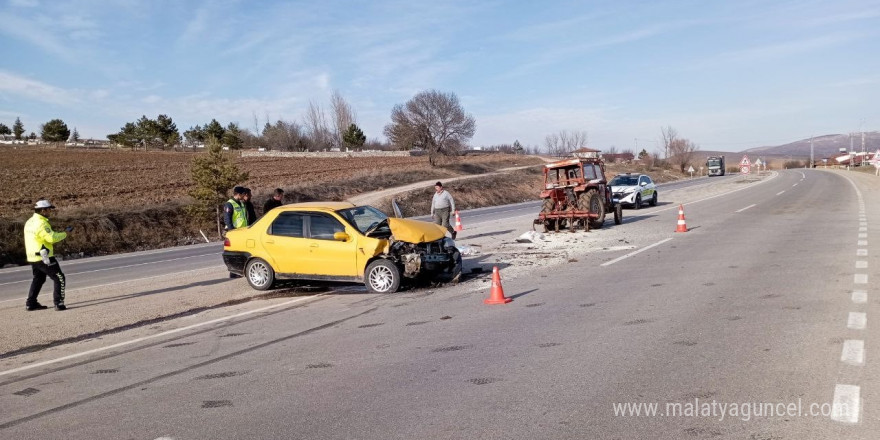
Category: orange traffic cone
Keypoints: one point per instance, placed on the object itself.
(682, 226)
(458, 226)
(496, 295)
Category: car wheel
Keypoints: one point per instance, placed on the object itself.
(382, 276)
(259, 274)
(653, 201)
(638, 203)
(618, 214)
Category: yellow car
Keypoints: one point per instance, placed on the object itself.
(338, 241)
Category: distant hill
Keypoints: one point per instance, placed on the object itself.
(823, 146)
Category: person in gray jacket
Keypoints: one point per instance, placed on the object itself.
(442, 206)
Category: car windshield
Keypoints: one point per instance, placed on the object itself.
(363, 217)
(624, 181)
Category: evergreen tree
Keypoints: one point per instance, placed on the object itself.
(55, 131)
(232, 137)
(214, 129)
(74, 137)
(4, 130)
(17, 129)
(214, 175)
(353, 137)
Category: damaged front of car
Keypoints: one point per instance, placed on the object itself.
(393, 249)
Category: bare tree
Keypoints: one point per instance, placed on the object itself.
(681, 153)
(431, 120)
(668, 135)
(285, 136)
(316, 127)
(563, 143)
(343, 116)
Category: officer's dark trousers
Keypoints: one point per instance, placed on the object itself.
(41, 271)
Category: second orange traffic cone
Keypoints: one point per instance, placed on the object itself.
(458, 226)
(496, 295)
(682, 226)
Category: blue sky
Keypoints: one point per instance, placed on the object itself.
(727, 75)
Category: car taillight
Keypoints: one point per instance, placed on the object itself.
(226, 243)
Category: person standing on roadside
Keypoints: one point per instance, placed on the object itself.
(249, 207)
(234, 211)
(39, 245)
(275, 201)
(442, 206)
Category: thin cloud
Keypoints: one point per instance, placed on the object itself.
(778, 50)
(32, 89)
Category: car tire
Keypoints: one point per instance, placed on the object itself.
(653, 201)
(259, 274)
(382, 276)
(618, 214)
(637, 204)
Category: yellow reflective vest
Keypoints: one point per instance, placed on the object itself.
(39, 234)
(239, 214)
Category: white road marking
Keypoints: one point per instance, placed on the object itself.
(863, 242)
(861, 264)
(857, 321)
(863, 235)
(119, 267)
(608, 263)
(794, 185)
(863, 229)
(133, 280)
(861, 252)
(747, 207)
(861, 278)
(846, 404)
(157, 335)
(780, 193)
(860, 296)
(853, 352)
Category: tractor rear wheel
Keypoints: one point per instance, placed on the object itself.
(592, 202)
(547, 207)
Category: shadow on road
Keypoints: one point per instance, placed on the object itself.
(111, 299)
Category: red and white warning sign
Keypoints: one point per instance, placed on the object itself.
(744, 165)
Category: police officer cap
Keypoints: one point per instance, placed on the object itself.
(43, 204)
(239, 190)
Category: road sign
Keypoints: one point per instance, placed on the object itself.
(691, 169)
(745, 162)
(745, 169)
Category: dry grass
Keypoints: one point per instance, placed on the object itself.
(123, 201)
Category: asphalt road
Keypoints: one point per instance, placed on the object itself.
(91, 272)
(763, 302)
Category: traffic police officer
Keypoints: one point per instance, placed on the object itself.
(39, 241)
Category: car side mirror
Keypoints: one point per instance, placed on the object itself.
(341, 236)
(644, 184)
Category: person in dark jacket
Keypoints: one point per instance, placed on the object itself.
(249, 207)
(275, 201)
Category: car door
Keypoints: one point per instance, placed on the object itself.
(328, 256)
(644, 190)
(286, 243)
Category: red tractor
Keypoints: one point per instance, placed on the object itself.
(576, 195)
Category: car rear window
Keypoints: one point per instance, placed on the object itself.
(287, 224)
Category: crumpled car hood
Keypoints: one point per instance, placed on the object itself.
(415, 231)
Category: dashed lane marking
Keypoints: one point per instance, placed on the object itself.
(853, 352)
(861, 278)
(780, 193)
(863, 242)
(861, 264)
(747, 207)
(857, 321)
(846, 404)
(608, 263)
(862, 253)
(859, 296)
